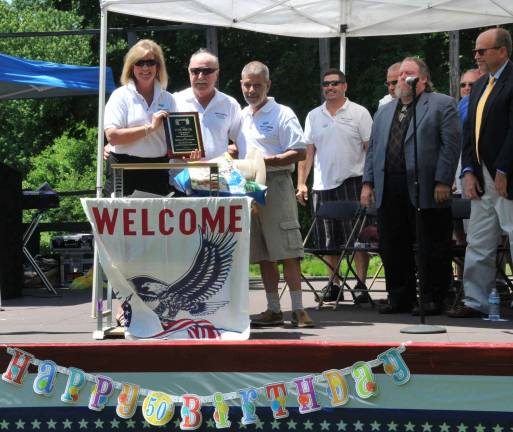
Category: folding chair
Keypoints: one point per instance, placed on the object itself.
(460, 210)
(342, 211)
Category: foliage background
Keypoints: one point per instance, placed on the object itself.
(54, 140)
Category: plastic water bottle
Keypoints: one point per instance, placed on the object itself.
(494, 305)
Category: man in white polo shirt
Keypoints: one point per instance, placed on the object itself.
(274, 130)
(220, 114)
(337, 133)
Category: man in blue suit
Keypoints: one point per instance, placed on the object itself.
(389, 178)
(487, 166)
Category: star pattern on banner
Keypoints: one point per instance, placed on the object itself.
(341, 425)
(426, 427)
(444, 427)
(325, 425)
(409, 427)
(358, 426)
(375, 426)
(275, 424)
(291, 424)
(392, 426)
(308, 425)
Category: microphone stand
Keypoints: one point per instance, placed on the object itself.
(421, 328)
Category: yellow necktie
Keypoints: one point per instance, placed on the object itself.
(479, 112)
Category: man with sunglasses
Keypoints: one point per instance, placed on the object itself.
(220, 114)
(337, 133)
(390, 83)
(487, 162)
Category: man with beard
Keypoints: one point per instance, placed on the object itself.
(274, 130)
(390, 83)
(389, 175)
(337, 133)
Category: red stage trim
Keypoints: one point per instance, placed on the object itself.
(268, 356)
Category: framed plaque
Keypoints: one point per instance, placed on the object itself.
(183, 134)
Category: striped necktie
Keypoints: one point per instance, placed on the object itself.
(479, 112)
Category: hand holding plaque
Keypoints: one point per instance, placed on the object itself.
(183, 134)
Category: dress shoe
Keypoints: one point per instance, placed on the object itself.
(391, 308)
(430, 308)
(462, 311)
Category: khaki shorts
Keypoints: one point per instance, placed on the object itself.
(275, 233)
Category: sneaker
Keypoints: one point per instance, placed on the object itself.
(267, 318)
(330, 293)
(300, 318)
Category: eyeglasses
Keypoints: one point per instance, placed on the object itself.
(149, 63)
(465, 84)
(481, 51)
(203, 70)
(389, 83)
(332, 83)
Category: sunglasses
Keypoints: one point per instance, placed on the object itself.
(149, 63)
(389, 83)
(332, 83)
(203, 70)
(465, 84)
(481, 51)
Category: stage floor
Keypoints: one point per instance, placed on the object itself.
(38, 317)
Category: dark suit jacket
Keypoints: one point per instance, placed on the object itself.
(439, 145)
(496, 138)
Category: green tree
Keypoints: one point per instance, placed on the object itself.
(68, 164)
(28, 126)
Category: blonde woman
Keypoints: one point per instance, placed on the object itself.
(133, 119)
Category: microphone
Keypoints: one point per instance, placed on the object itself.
(412, 81)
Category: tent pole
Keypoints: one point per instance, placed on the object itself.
(97, 274)
(343, 52)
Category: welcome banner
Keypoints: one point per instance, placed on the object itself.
(178, 265)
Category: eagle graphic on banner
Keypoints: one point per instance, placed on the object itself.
(191, 292)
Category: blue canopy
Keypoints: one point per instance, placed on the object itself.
(28, 79)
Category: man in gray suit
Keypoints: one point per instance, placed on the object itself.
(389, 177)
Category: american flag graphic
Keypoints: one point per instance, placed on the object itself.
(196, 329)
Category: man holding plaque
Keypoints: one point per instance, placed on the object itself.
(274, 130)
(219, 114)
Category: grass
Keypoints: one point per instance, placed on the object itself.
(311, 266)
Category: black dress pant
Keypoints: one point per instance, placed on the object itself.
(397, 234)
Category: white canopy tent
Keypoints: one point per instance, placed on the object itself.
(307, 18)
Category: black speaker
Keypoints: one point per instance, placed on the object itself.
(11, 234)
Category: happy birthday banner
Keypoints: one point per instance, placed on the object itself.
(158, 408)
